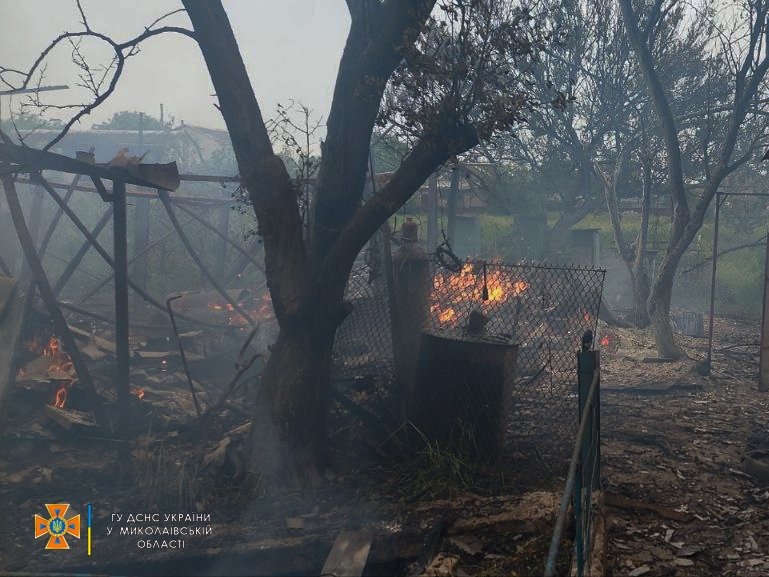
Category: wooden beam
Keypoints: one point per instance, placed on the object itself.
(30, 160)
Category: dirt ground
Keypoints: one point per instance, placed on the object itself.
(675, 439)
(678, 500)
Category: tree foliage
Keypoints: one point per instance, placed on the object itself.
(133, 120)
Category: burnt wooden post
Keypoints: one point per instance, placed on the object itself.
(40, 278)
(763, 371)
(122, 363)
(589, 462)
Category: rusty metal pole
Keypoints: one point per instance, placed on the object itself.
(122, 363)
(763, 363)
(709, 362)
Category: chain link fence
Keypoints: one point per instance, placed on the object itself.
(478, 308)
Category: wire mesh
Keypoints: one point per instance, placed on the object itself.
(545, 310)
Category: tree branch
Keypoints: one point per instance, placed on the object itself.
(427, 155)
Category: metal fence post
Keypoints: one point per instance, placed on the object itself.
(588, 363)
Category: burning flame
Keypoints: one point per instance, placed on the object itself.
(233, 318)
(52, 349)
(451, 291)
(605, 341)
(61, 397)
(139, 392)
(447, 316)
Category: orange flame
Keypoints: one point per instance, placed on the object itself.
(605, 341)
(61, 397)
(447, 315)
(53, 348)
(139, 392)
(455, 289)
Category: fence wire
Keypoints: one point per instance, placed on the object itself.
(544, 310)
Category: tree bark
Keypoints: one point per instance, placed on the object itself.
(659, 312)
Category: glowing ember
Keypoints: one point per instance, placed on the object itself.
(586, 317)
(139, 392)
(452, 291)
(447, 316)
(61, 396)
(52, 349)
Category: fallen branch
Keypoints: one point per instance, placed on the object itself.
(665, 512)
(758, 242)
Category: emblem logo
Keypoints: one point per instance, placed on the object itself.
(57, 526)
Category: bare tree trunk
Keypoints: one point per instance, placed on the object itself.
(634, 259)
(748, 75)
(659, 313)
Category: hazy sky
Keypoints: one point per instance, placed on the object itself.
(291, 49)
